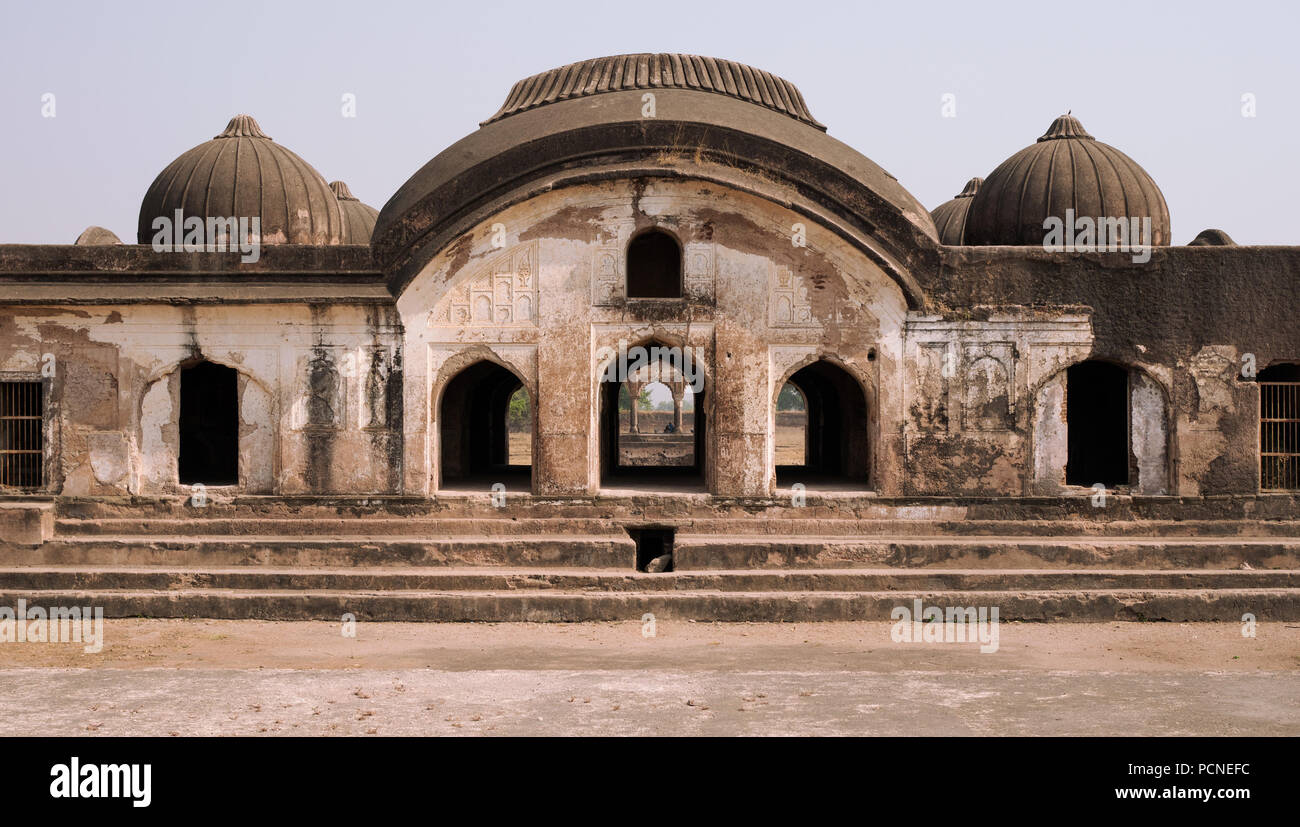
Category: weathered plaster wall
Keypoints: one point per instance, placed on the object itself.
(1191, 319)
(971, 418)
(319, 409)
(550, 304)
(340, 393)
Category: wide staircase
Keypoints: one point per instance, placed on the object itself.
(834, 558)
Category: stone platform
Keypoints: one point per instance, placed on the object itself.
(849, 557)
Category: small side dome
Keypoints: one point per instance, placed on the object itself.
(1212, 238)
(358, 218)
(97, 235)
(1065, 169)
(242, 173)
(950, 216)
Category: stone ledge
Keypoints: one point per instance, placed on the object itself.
(26, 523)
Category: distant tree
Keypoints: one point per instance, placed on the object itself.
(517, 413)
(625, 400)
(790, 399)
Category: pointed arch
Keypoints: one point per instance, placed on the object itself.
(474, 424)
(837, 437)
(1102, 421)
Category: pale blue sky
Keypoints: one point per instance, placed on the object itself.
(137, 83)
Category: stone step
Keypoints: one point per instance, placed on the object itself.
(462, 579)
(793, 552)
(691, 552)
(613, 551)
(424, 527)
(1178, 605)
(688, 506)
(727, 526)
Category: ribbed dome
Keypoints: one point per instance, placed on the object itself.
(1212, 238)
(93, 235)
(657, 71)
(243, 173)
(1065, 169)
(358, 218)
(950, 216)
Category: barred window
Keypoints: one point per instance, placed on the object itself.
(1279, 428)
(22, 435)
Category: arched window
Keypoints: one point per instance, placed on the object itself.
(484, 424)
(654, 267)
(209, 425)
(1097, 422)
(1279, 428)
(834, 419)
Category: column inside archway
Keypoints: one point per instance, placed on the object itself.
(634, 393)
(678, 389)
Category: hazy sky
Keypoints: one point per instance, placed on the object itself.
(137, 83)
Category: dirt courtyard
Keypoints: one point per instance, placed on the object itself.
(209, 677)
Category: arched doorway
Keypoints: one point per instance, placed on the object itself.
(1102, 423)
(1279, 427)
(652, 420)
(484, 425)
(1097, 423)
(835, 429)
(209, 425)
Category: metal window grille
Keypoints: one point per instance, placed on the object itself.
(1279, 436)
(22, 435)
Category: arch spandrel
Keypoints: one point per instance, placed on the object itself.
(721, 142)
(564, 252)
(502, 292)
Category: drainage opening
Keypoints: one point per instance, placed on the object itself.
(654, 548)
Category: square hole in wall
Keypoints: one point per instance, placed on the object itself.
(654, 548)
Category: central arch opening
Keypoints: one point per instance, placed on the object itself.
(209, 425)
(485, 430)
(652, 422)
(822, 429)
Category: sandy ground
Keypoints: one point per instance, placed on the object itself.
(250, 677)
(790, 444)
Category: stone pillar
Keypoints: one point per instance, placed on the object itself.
(738, 412)
(678, 389)
(634, 391)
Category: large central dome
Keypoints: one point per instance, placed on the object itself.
(715, 121)
(621, 73)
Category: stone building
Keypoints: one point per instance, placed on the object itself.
(966, 391)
